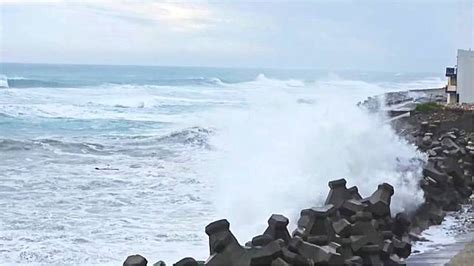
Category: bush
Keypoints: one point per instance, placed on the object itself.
(426, 107)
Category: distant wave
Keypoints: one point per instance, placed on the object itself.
(9, 145)
(195, 136)
(3, 81)
(21, 82)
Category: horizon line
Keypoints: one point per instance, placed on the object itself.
(215, 67)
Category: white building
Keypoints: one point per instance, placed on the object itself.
(460, 88)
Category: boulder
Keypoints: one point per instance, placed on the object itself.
(401, 224)
(363, 232)
(186, 262)
(279, 262)
(370, 255)
(224, 247)
(135, 260)
(268, 253)
(401, 248)
(354, 261)
(277, 228)
(318, 222)
(338, 193)
(262, 240)
(379, 201)
(354, 191)
(351, 207)
(342, 227)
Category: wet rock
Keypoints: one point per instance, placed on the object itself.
(224, 247)
(135, 260)
(186, 262)
(268, 253)
(387, 249)
(394, 259)
(401, 225)
(338, 193)
(277, 228)
(402, 248)
(295, 259)
(379, 201)
(371, 255)
(363, 232)
(318, 222)
(354, 261)
(345, 248)
(431, 170)
(219, 236)
(262, 240)
(342, 227)
(318, 254)
(279, 262)
(351, 207)
(354, 191)
(319, 240)
(387, 234)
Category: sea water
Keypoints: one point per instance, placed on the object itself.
(100, 162)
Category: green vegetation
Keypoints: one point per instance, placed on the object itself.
(426, 107)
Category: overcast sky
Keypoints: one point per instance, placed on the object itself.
(383, 35)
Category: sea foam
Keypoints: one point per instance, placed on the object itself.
(277, 155)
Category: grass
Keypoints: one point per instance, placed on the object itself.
(426, 107)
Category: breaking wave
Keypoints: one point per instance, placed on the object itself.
(187, 154)
(277, 155)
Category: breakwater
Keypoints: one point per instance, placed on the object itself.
(354, 230)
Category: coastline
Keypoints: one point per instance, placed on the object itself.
(444, 134)
(461, 250)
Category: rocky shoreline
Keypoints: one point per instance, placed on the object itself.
(354, 230)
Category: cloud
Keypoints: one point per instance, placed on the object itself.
(177, 16)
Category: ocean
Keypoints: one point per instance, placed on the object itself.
(101, 162)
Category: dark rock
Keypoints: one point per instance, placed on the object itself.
(387, 249)
(401, 224)
(351, 207)
(402, 248)
(371, 255)
(277, 228)
(430, 170)
(262, 240)
(135, 260)
(379, 202)
(354, 261)
(387, 234)
(268, 253)
(363, 232)
(224, 247)
(338, 193)
(342, 227)
(354, 191)
(319, 222)
(279, 262)
(186, 262)
(318, 254)
(394, 259)
(294, 258)
(319, 240)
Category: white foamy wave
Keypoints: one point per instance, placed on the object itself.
(427, 83)
(3, 81)
(240, 151)
(277, 155)
(132, 102)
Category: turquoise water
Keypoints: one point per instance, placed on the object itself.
(180, 146)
